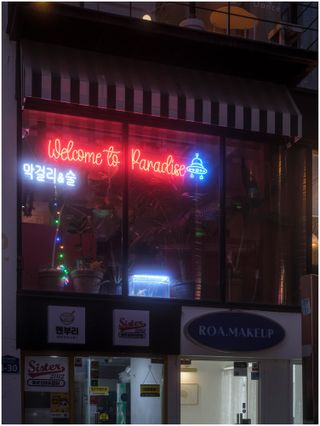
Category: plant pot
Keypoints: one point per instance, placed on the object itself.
(50, 280)
(86, 280)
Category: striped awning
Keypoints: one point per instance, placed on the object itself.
(122, 84)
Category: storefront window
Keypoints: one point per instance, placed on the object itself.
(73, 187)
(259, 224)
(72, 199)
(99, 390)
(173, 214)
(71, 175)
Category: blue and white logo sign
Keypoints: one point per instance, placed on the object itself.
(234, 331)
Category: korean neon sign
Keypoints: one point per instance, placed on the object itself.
(47, 174)
(69, 152)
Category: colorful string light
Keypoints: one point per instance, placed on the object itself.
(58, 250)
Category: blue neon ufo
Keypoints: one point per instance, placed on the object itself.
(196, 168)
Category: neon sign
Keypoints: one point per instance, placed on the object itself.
(71, 154)
(43, 173)
(196, 167)
(110, 157)
(169, 166)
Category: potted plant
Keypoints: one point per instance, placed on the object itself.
(87, 276)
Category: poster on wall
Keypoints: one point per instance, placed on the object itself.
(130, 327)
(66, 324)
(46, 374)
(59, 405)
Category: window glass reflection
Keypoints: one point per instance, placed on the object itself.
(265, 201)
(71, 204)
(173, 214)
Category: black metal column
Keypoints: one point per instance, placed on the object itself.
(222, 219)
(125, 206)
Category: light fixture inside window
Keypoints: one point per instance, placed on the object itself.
(186, 366)
(147, 17)
(187, 369)
(149, 285)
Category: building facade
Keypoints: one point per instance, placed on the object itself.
(159, 164)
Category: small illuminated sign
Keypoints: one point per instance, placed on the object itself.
(43, 173)
(99, 390)
(150, 390)
(196, 168)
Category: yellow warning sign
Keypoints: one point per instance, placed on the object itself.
(99, 390)
(150, 390)
(59, 405)
(103, 417)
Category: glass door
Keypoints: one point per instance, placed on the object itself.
(118, 390)
(219, 392)
(297, 399)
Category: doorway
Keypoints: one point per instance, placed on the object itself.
(93, 389)
(118, 390)
(219, 392)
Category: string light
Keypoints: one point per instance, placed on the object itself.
(58, 255)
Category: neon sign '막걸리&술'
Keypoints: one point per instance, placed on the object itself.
(47, 174)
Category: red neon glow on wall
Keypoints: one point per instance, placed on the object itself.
(68, 152)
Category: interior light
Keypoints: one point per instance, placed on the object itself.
(150, 279)
(149, 285)
(147, 17)
(188, 369)
(314, 241)
(43, 5)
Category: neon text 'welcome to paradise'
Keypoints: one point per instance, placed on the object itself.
(110, 156)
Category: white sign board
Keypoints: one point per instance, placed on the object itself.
(66, 324)
(130, 327)
(288, 348)
(46, 374)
